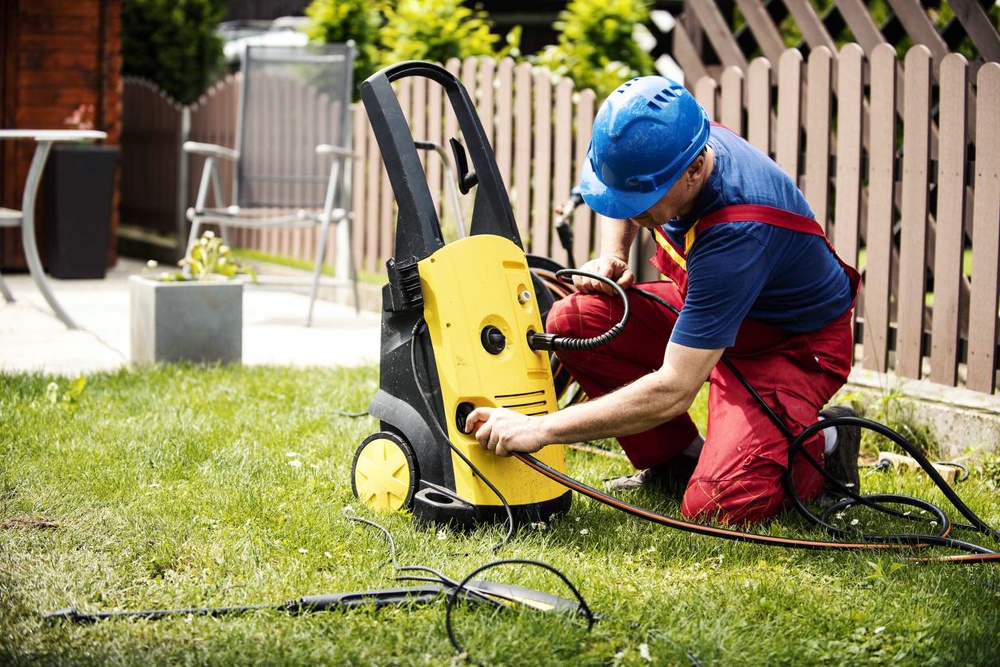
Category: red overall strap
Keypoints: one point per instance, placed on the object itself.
(673, 269)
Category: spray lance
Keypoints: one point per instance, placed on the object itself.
(562, 223)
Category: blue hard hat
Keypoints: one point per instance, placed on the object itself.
(645, 135)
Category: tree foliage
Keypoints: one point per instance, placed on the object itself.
(596, 47)
(436, 30)
(389, 32)
(337, 21)
(173, 43)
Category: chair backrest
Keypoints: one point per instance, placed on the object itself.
(293, 98)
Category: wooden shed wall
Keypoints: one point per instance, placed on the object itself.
(57, 55)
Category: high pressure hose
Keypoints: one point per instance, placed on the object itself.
(974, 552)
(547, 341)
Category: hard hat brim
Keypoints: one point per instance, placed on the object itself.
(614, 203)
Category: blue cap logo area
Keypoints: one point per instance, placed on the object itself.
(645, 135)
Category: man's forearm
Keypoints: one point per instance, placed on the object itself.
(636, 407)
(616, 238)
(639, 406)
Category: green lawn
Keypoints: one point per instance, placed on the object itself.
(191, 486)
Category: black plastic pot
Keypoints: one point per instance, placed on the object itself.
(79, 191)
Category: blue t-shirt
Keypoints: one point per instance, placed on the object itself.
(751, 269)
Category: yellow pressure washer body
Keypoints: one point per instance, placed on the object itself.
(456, 320)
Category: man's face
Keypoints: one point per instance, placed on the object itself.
(669, 206)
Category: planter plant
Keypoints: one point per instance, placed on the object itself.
(194, 314)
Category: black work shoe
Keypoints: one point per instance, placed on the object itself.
(673, 475)
(842, 462)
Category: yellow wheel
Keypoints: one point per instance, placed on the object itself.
(384, 472)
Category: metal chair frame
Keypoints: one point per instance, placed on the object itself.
(335, 209)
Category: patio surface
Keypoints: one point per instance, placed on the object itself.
(274, 333)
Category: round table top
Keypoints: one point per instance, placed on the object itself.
(53, 135)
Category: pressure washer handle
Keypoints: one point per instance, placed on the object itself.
(565, 212)
(562, 224)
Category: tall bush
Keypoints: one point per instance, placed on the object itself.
(596, 47)
(436, 30)
(389, 32)
(173, 44)
(337, 21)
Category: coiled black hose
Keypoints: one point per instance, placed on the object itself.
(547, 341)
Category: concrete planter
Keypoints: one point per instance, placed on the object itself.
(194, 321)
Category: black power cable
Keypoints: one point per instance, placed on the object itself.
(419, 328)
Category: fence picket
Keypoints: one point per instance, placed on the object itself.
(850, 125)
(521, 179)
(951, 213)
(759, 105)
(584, 234)
(914, 213)
(732, 100)
(982, 360)
(880, 211)
(503, 138)
(816, 185)
(541, 196)
(562, 176)
(359, 186)
(787, 147)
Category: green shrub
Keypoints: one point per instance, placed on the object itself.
(173, 44)
(337, 21)
(595, 47)
(389, 32)
(436, 30)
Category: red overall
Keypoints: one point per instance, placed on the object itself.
(738, 475)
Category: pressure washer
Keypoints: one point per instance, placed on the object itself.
(457, 320)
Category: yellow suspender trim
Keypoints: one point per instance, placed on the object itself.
(674, 255)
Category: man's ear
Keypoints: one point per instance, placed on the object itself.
(695, 167)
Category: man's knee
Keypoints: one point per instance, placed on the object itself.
(577, 316)
(732, 501)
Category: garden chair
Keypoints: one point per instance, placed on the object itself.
(292, 155)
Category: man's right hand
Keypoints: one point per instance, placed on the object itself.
(608, 266)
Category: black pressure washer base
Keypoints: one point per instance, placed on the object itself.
(435, 505)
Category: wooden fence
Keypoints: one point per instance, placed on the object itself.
(906, 187)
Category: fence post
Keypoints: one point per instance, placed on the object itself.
(182, 180)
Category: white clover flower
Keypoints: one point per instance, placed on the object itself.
(584, 531)
(295, 464)
(303, 551)
(644, 652)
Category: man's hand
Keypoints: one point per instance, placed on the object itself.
(504, 431)
(609, 266)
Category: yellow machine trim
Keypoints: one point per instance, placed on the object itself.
(382, 476)
(468, 285)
